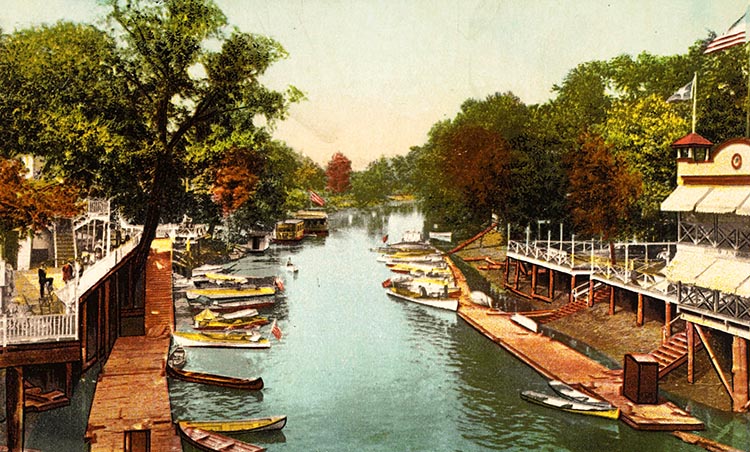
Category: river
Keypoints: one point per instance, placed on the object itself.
(358, 371)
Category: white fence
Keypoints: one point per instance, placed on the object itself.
(56, 327)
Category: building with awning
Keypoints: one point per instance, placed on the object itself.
(711, 266)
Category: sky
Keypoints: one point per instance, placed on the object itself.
(378, 74)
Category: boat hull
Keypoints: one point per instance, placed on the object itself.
(449, 304)
(203, 340)
(570, 406)
(239, 426)
(247, 384)
(230, 293)
(211, 441)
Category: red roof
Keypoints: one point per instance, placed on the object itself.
(692, 140)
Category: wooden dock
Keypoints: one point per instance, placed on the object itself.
(555, 360)
(132, 392)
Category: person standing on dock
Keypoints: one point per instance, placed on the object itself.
(43, 281)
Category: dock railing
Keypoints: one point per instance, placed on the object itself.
(57, 327)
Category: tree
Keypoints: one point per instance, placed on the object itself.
(30, 205)
(338, 173)
(603, 191)
(148, 107)
(374, 184)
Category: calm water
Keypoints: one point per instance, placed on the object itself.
(359, 371)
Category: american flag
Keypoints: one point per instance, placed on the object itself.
(317, 199)
(736, 35)
(275, 330)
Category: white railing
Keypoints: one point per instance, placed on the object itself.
(56, 327)
(38, 328)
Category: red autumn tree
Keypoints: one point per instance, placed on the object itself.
(603, 191)
(338, 173)
(236, 179)
(28, 205)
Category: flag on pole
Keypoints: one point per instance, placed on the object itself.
(385, 238)
(684, 93)
(736, 35)
(317, 199)
(275, 330)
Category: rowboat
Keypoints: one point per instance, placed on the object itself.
(203, 269)
(247, 384)
(570, 406)
(235, 339)
(215, 442)
(569, 392)
(233, 324)
(232, 306)
(178, 358)
(450, 304)
(239, 426)
(442, 236)
(226, 293)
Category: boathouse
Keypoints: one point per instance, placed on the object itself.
(699, 286)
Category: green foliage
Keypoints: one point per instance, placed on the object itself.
(374, 184)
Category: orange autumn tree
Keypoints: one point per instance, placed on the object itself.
(603, 191)
(29, 205)
(236, 179)
(338, 172)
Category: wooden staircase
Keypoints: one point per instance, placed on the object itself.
(672, 354)
(35, 400)
(65, 250)
(565, 310)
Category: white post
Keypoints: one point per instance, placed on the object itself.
(549, 241)
(507, 238)
(592, 255)
(627, 265)
(573, 250)
(528, 232)
(109, 227)
(561, 236)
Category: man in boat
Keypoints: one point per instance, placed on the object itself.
(289, 262)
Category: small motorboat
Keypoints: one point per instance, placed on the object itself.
(178, 358)
(239, 426)
(570, 406)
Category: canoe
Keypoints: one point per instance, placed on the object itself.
(232, 324)
(232, 306)
(450, 304)
(208, 314)
(215, 442)
(178, 358)
(226, 293)
(254, 384)
(223, 340)
(239, 426)
(570, 406)
(575, 395)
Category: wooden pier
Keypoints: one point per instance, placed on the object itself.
(132, 396)
(554, 360)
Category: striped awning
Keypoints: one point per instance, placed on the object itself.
(730, 276)
(723, 199)
(684, 198)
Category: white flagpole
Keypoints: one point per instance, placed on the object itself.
(693, 94)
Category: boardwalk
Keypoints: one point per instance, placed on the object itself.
(132, 392)
(555, 360)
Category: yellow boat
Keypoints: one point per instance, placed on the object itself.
(223, 340)
(239, 426)
(221, 293)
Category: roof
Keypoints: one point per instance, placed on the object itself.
(709, 199)
(692, 140)
(696, 267)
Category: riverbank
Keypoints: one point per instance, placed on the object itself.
(612, 335)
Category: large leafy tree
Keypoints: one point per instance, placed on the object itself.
(374, 184)
(141, 112)
(338, 173)
(603, 191)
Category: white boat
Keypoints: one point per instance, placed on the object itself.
(525, 322)
(412, 236)
(575, 395)
(481, 298)
(450, 304)
(442, 236)
(203, 269)
(220, 340)
(570, 406)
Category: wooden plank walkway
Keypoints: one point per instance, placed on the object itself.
(132, 391)
(554, 360)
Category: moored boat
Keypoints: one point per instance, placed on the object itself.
(240, 425)
(249, 384)
(227, 293)
(291, 230)
(315, 221)
(571, 393)
(215, 442)
(570, 406)
(450, 304)
(223, 340)
(177, 358)
(224, 307)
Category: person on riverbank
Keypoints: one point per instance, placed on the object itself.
(44, 281)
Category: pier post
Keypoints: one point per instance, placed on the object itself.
(534, 269)
(14, 408)
(611, 300)
(739, 374)
(639, 315)
(590, 301)
(691, 352)
(551, 284)
(667, 321)
(572, 287)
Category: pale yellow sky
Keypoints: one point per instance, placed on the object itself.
(379, 73)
